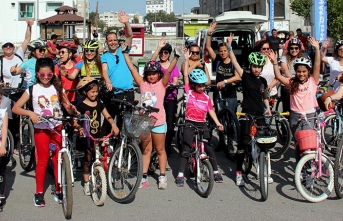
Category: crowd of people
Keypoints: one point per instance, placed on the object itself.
(67, 78)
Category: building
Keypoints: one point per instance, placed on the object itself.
(282, 11)
(188, 24)
(83, 8)
(110, 19)
(13, 14)
(153, 6)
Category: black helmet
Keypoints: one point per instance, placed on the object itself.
(167, 47)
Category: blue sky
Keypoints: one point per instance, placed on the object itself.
(133, 6)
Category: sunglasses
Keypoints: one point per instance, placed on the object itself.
(294, 48)
(265, 49)
(117, 59)
(164, 52)
(195, 52)
(89, 50)
(62, 52)
(46, 75)
(9, 45)
(151, 73)
(41, 50)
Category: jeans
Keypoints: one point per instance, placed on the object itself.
(231, 103)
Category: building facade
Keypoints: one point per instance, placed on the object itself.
(152, 6)
(110, 19)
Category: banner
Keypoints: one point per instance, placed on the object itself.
(319, 16)
(271, 16)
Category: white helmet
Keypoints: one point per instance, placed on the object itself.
(302, 61)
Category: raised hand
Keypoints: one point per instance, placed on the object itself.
(29, 22)
(272, 56)
(326, 43)
(162, 42)
(186, 53)
(177, 51)
(229, 39)
(212, 27)
(123, 17)
(314, 42)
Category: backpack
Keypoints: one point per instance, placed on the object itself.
(2, 65)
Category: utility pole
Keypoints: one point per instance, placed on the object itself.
(96, 16)
(84, 21)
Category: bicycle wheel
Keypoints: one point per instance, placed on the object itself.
(263, 169)
(247, 163)
(67, 187)
(311, 187)
(179, 132)
(338, 170)
(284, 137)
(123, 182)
(26, 146)
(231, 129)
(99, 185)
(330, 136)
(205, 179)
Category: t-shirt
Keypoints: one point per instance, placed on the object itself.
(289, 65)
(2, 116)
(118, 71)
(305, 98)
(95, 114)
(45, 102)
(335, 69)
(268, 74)
(197, 105)
(171, 94)
(223, 72)
(274, 43)
(253, 89)
(303, 40)
(53, 46)
(94, 71)
(153, 95)
(68, 84)
(29, 67)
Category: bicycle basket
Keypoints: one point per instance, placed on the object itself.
(307, 139)
(266, 142)
(138, 126)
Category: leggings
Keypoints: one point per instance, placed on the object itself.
(285, 97)
(3, 164)
(43, 137)
(188, 134)
(170, 108)
(89, 154)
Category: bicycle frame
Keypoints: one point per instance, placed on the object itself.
(64, 150)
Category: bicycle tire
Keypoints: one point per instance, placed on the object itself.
(228, 120)
(284, 140)
(99, 185)
(207, 176)
(27, 149)
(330, 138)
(263, 174)
(121, 179)
(247, 163)
(67, 187)
(10, 149)
(338, 170)
(179, 133)
(304, 174)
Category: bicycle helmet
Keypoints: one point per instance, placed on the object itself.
(85, 81)
(153, 66)
(294, 41)
(257, 58)
(91, 44)
(338, 44)
(68, 45)
(36, 44)
(167, 47)
(302, 61)
(198, 76)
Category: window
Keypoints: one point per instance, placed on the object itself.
(13, 5)
(52, 6)
(26, 10)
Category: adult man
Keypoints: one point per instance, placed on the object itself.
(274, 42)
(52, 48)
(115, 72)
(291, 36)
(302, 38)
(9, 59)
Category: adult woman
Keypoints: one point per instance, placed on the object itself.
(293, 52)
(335, 62)
(170, 99)
(225, 75)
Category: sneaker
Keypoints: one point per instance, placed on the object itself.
(58, 197)
(270, 180)
(38, 199)
(180, 181)
(162, 182)
(2, 202)
(218, 178)
(239, 179)
(144, 183)
(86, 189)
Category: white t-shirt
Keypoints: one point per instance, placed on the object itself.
(45, 103)
(335, 69)
(2, 115)
(289, 65)
(268, 74)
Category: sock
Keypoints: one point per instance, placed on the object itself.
(145, 175)
(161, 174)
(180, 174)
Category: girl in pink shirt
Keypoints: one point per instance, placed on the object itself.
(302, 87)
(153, 88)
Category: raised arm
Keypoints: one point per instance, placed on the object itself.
(209, 39)
(233, 57)
(166, 76)
(324, 48)
(136, 76)
(186, 55)
(316, 65)
(27, 35)
(208, 76)
(285, 70)
(124, 20)
(161, 44)
(273, 58)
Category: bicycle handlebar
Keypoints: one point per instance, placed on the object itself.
(99, 139)
(134, 103)
(240, 114)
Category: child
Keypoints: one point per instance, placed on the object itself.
(153, 88)
(302, 88)
(198, 105)
(49, 88)
(89, 88)
(4, 155)
(255, 101)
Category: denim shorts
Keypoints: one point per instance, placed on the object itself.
(162, 129)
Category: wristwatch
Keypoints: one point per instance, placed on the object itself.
(225, 81)
(229, 47)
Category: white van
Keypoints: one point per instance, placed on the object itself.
(243, 25)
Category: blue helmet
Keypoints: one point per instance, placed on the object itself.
(198, 76)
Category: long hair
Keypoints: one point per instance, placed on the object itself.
(290, 58)
(97, 62)
(294, 83)
(259, 45)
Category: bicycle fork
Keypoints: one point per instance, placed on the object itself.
(64, 150)
(122, 146)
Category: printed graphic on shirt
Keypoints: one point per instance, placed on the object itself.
(94, 124)
(149, 99)
(46, 105)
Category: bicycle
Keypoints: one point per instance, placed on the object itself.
(262, 140)
(315, 169)
(126, 165)
(199, 164)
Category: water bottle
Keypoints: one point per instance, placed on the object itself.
(52, 146)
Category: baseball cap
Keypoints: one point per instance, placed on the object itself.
(7, 42)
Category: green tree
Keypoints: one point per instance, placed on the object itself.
(301, 8)
(101, 24)
(160, 16)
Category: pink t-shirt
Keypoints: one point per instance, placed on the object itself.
(305, 98)
(197, 105)
(153, 95)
